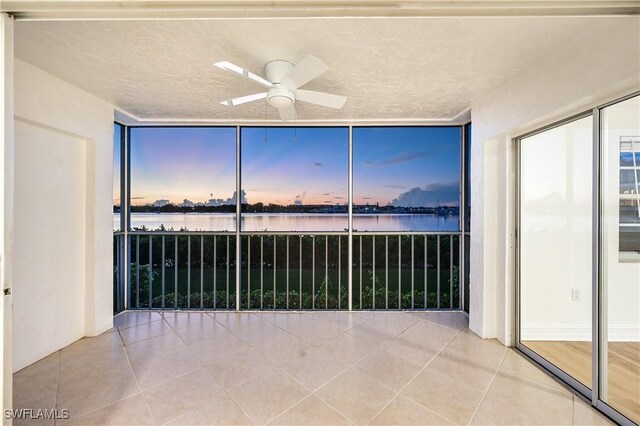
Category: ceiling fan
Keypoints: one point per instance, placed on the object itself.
(283, 81)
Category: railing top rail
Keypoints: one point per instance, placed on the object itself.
(292, 233)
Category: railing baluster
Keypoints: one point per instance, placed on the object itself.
(275, 263)
(215, 272)
(386, 272)
(175, 274)
(313, 272)
(399, 271)
(339, 272)
(249, 272)
(438, 271)
(150, 271)
(188, 271)
(300, 270)
(201, 271)
(137, 271)
(412, 277)
(261, 272)
(228, 265)
(426, 269)
(451, 272)
(326, 272)
(361, 307)
(373, 273)
(163, 288)
(287, 272)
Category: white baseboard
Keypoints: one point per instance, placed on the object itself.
(578, 332)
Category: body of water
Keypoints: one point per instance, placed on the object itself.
(300, 222)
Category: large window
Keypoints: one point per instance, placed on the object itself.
(295, 179)
(406, 178)
(118, 133)
(183, 178)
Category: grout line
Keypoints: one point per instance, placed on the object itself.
(488, 387)
(412, 379)
(55, 404)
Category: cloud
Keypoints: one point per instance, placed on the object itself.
(327, 193)
(366, 198)
(398, 159)
(429, 196)
(396, 186)
(338, 198)
(316, 164)
(137, 198)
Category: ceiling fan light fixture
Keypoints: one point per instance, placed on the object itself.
(280, 101)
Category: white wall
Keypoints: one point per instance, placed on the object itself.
(63, 253)
(594, 68)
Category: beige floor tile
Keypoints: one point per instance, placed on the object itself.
(283, 349)
(466, 368)
(258, 332)
(497, 412)
(183, 320)
(341, 320)
(150, 349)
(36, 386)
(130, 411)
(92, 365)
(314, 368)
(91, 345)
(202, 332)
(444, 396)
(135, 318)
(512, 400)
(46, 363)
(288, 321)
(349, 349)
(585, 415)
(224, 346)
(518, 366)
(240, 368)
(316, 333)
(236, 321)
(378, 328)
(145, 331)
(165, 368)
(418, 351)
(85, 395)
(454, 320)
(219, 410)
(489, 352)
(267, 396)
(403, 411)
(177, 397)
(355, 395)
(310, 411)
(435, 334)
(387, 368)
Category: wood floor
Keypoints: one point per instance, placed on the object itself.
(624, 369)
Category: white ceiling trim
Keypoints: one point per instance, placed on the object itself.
(252, 9)
(124, 117)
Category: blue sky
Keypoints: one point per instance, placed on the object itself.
(411, 166)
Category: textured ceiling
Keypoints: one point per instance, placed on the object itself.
(389, 68)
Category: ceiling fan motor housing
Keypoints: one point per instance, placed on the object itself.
(276, 70)
(280, 97)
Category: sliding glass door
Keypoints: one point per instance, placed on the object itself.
(620, 257)
(578, 252)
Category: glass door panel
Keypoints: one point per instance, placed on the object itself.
(555, 246)
(620, 257)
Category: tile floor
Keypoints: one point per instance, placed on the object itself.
(321, 368)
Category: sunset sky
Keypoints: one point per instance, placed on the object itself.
(410, 166)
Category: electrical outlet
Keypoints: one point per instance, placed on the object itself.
(575, 294)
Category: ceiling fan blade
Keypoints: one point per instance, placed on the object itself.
(321, 98)
(244, 99)
(304, 71)
(288, 113)
(228, 66)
